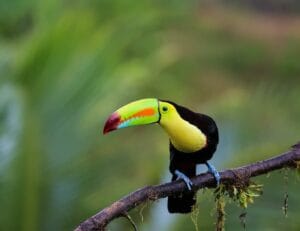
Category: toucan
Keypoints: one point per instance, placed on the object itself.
(193, 139)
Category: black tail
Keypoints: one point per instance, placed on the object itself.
(183, 203)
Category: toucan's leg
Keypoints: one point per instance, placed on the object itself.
(182, 176)
(214, 172)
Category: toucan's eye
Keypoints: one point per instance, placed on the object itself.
(165, 108)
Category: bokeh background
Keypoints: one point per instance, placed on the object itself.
(66, 65)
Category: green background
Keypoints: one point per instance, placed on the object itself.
(66, 65)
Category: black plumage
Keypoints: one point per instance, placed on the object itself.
(186, 162)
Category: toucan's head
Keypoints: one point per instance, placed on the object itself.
(179, 122)
(144, 111)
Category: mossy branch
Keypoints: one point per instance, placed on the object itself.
(99, 221)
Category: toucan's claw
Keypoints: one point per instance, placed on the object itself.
(186, 180)
(214, 172)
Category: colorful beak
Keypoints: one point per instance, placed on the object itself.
(144, 111)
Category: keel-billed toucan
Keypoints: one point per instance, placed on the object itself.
(193, 140)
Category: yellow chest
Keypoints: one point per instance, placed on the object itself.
(184, 136)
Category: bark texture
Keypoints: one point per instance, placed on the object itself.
(99, 221)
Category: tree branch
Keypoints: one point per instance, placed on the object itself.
(120, 208)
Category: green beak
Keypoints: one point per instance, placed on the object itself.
(144, 111)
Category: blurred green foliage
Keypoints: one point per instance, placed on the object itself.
(65, 66)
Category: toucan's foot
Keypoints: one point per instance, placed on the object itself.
(186, 180)
(214, 172)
